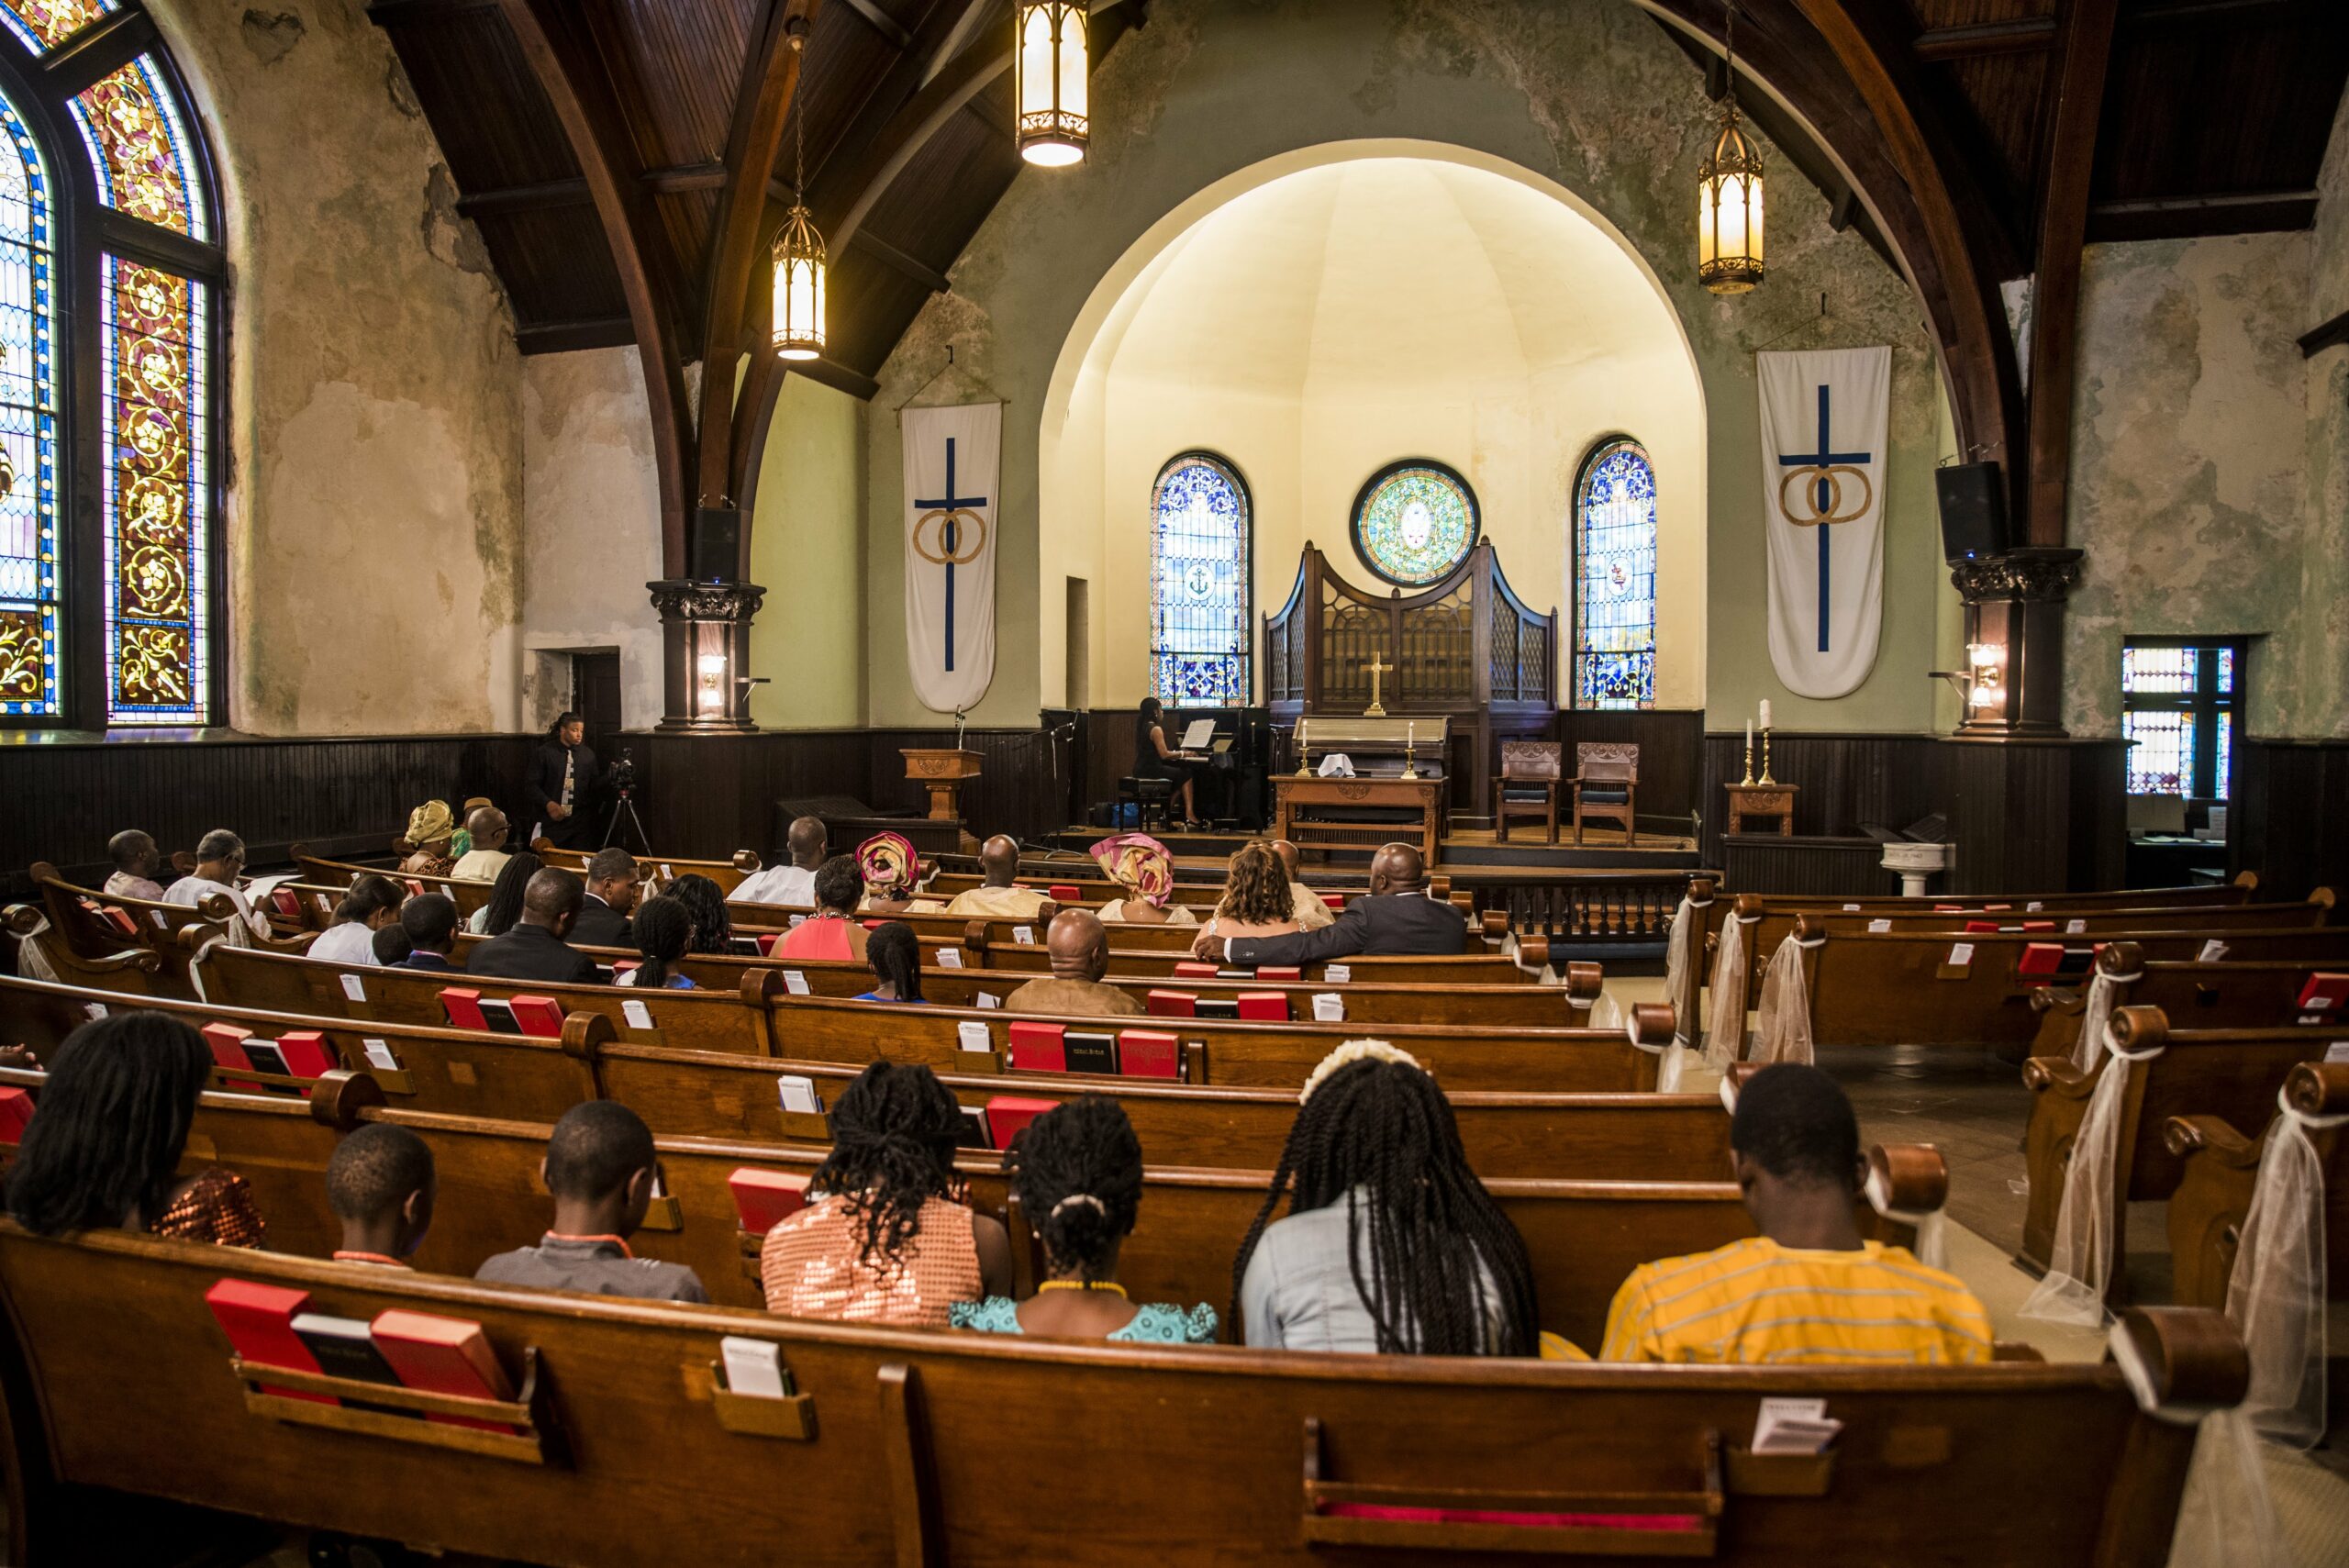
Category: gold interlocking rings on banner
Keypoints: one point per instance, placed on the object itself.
(1833, 511)
(969, 537)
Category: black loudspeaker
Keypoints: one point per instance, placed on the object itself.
(717, 545)
(1974, 511)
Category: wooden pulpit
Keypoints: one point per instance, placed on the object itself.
(942, 770)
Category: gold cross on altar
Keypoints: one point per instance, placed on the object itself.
(1376, 710)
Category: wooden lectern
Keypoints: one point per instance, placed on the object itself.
(943, 770)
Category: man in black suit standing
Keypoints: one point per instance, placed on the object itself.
(1397, 920)
(612, 887)
(535, 948)
(562, 785)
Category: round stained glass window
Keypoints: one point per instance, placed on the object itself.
(1414, 521)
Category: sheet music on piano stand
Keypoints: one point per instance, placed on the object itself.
(1198, 733)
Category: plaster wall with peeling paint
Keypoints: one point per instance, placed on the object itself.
(1585, 92)
(373, 451)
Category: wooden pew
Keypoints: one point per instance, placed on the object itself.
(2225, 994)
(1366, 1001)
(930, 1448)
(1583, 1236)
(1877, 988)
(132, 970)
(2219, 1166)
(1625, 1137)
(95, 924)
(469, 895)
(759, 1019)
(661, 871)
(2229, 1075)
(1487, 933)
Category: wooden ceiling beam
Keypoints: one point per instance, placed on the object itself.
(675, 179)
(835, 375)
(2027, 35)
(563, 336)
(2075, 108)
(897, 261)
(407, 12)
(2183, 217)
(569, 71)
(884, 24)
(771, 79)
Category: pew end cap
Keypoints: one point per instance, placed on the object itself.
(1585, 981)
(2116, 958)
(1651, 1023)
(2193, 1359)
(1911, 1176)
(338, 1099)
(746, 861)
(2140, 1028)
(2319, 1088)
(2215, 1136)
(2055, 1075)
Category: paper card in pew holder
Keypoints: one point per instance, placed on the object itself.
(353, 988)
(987, 1001)
(795, 981)
(1149, 1054)
(1794, 1426)
(1090, 1050)
(638, 1014)
(1337, 973)
(443, 1355)
(949, 958)
(259, 1321)
(798, 1094)
(15, 1115)
(1329, 1008)
(764, 1199)
(971, 1035)
(754, 1368)
(378, 1055)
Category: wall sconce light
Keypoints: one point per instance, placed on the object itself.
(712, 695)
(1989, 662)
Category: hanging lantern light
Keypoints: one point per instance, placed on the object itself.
(1729, 197)
(1049, 89)
(798, 255)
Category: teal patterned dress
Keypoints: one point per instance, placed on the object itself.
(1154, 1323)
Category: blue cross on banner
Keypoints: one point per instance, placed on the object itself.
(1825, 510)
(952, 510)
(1825, 417)
(953, 458)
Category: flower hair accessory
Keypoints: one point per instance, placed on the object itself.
(1087, 1199)
(1139, 863)
(1346, 1055)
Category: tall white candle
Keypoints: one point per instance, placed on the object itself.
(1749, 735)
(1766, 713)
(1410, 735)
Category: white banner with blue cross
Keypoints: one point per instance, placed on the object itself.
(1824, 418)
(953, 470)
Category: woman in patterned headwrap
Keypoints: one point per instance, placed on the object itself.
(430, 827)
(891, 869)
(1140, 864)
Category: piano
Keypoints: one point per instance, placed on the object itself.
(1236, 763)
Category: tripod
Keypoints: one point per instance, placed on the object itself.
(625, 806)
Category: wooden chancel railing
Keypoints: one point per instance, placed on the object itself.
(1466, 647)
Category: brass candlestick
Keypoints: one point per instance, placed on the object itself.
(1765, 759)
(1747, 782)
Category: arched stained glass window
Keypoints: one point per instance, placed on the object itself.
(1414, 521)
(1202, 593)
(1615, 578)
(123, 607)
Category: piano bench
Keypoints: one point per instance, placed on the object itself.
(1148, 795)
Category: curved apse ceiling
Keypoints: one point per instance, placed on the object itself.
(1379, 271)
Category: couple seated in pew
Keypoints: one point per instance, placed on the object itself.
(437, 847)
(1396, 918)
(888, 867)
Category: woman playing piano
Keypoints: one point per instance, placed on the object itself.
(1154, 758)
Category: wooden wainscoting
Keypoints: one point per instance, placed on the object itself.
(2290, 817)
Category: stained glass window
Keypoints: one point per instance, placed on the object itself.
(2178, 703)
(158, 481)
(42, 25)
(1614, 579)
(132, 126)
(1202, 598)
(28, 543)
(1414, 521)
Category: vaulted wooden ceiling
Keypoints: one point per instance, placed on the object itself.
(596, 144)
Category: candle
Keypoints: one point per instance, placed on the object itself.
(1749, 735)
(1766, 713)
(1410, 736)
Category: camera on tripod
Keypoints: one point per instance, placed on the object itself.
(620, 779)
(621, 776)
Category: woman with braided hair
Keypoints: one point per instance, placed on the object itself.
(1391, 1245)
(885, 1237)
(1078, 1174)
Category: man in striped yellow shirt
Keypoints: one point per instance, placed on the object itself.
(1808, 1289)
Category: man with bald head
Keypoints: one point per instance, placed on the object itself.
(489, 828)
(535, 948)
(998, 900)
(1311, 911)
(793, 884)
(1397, 920)
(1078, 945)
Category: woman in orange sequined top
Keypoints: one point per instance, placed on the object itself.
(886, 1237)
(102, 1149)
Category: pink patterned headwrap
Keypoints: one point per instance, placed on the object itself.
(889, 864)
(1139, 863)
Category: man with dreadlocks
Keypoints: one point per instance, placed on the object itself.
(1391, 1245)
(1079, 1174)
(885, 1237)
(1808, 1289)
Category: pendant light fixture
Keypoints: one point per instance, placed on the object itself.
(1729, 195)
(798, 250)
(1052, 120)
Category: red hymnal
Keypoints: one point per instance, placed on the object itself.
(16, 1111)
(1265, 1006)
(540, 1016)
(2325, 992)
(2040, 958)
(259, 1321)
(1991, 927)
(227, 1045)
(442, 1355)
(1949, 908)
(118, 918)
(463, 1006)
(1065, 892)
(1272, 972)
(766, 943)
(1334, 900)
(1006, 1114)
(1149, 1054)
(1189, 969)
(1171, 1004)
(2038, 925)
(764, 1199)
(305, 1054)
(289, 903)
(1037, 1048)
